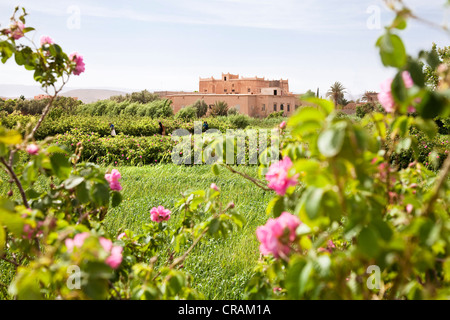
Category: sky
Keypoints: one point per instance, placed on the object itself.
(168, 44)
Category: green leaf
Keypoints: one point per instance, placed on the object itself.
(72, 182)
(428, 126)
(416, 71)
(215, 169)
(313, 201)
(275, 206)
(82, 193)
(432, 105)
(60, 165)
(12, 221)
(116, 199)
(10, 137)
(330, 141)
(100, 194)
(368, 242)
(403, 144)
(398, 89)
(2, 239)
(399, 23)
(214, 226)
(392, 50)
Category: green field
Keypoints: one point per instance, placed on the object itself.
(220, 268)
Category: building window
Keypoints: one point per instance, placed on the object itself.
(225, 79)
(263, 107)
(248, 90)
(275, 92)
(232, 90)
(225, 90)
(289, 108)
(282, 107)
(274, 107)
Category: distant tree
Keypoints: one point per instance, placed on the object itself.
(142, 97)
(309, 93)
(336, 92)
(443, 55)
(201, 107)
(187, 113)
(220, 108)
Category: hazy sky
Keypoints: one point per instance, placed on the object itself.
(169, 44)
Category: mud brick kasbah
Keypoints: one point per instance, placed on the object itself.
(256, 97)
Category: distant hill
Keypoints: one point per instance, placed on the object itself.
(91, 95)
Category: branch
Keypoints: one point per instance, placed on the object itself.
(41, 119)
(184, 256)
(437, 187)
(16, 180)
(258, 183)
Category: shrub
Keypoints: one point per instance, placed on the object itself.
(187, 113)
(220, 108)
(278, 114)
(240, 121)
(232, 111)
(201, 107)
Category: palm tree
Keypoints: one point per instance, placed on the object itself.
(368, 96)
(220, 108)
(336, 93)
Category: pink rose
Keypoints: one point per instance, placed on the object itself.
(113, 179)
(283, 125)
(278, 176)
(16, 31)
(115, 259)
(385, 96)
(46, 40)
(32, 149)
(160, 214)
(276, 236)
(214, 186)
(77, 241)
(122, 235)
(409, 208)
(79, 64)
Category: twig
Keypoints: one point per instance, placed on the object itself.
(16, 180)
(253, 180)
(10, 261)
(437, 187)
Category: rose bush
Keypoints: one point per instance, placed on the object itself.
(371, 226)
(53, 238)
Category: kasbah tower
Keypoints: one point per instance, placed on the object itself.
(255, 97)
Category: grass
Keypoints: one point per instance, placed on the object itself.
(220, 268)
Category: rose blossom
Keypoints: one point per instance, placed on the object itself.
(278, 176)
(283, 125)
(277, 234)
(77, 241)
(214, 186)
(46, 40)
(16, 31)
(385, 96)
(113, 178)
(32, 149)
(78, 59)
(160, 214)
